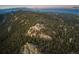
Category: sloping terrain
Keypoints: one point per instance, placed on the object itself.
(29, 32)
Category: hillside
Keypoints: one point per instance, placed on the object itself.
(32, 32)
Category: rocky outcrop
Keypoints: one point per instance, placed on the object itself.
(29, 48)
(37, 31)
(9, 28)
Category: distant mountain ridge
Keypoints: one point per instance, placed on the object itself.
(12, 10)
(60, 10)
(42, 10)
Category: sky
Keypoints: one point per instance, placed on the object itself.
(38, 6)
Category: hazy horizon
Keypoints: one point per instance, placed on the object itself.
(38, 6)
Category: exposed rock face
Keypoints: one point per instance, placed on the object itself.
(37, 31)
(9, 28)
(29, 48)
